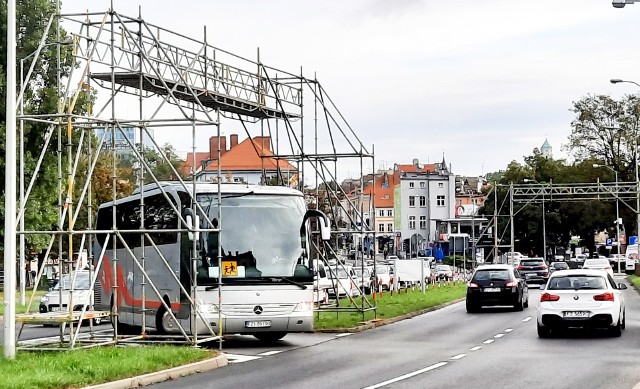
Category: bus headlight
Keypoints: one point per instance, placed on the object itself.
(303, 307)
(208, 308)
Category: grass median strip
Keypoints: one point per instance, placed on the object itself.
(78, 368)
(390, 306)
(635, 280)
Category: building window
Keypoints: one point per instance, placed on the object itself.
(423, 201)
(411, 185)
(440, 185)
(458, 202)
(423, 222)
(412, 201)
(440, 201)
(389, 212)
(381, 227)
(386, 197)
(422, 184)
(390, 227)
(381, 213)
(412, 222)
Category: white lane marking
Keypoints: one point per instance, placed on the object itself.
(476, 348)
(489, 341)
(238, 358)
(459, 356)
(267, 353)
(508, 330)
(344, 334)
(498, 335)
(527, 318)
(408, 375)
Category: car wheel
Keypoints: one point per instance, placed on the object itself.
(616, 330)
(472, 308)
(519, 306)
(624, 320)
(543, 332)
(526, 302)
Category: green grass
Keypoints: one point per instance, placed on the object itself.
(78, 368)
(21, 308)
(634, 280)
(391, 306)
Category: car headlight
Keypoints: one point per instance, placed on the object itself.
(44, 299)
(303, 307)
(208, 308)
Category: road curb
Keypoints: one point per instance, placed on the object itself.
(381, 322)
(164, 375)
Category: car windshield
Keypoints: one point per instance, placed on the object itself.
(560, 265)
(259, 234)
(442, 268)
(577, 282)
(81, 282)
(381, 270)
(359, 272)
(491, 275)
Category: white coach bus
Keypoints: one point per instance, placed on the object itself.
(262, 243)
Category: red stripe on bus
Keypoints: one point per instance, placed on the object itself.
(123, 291)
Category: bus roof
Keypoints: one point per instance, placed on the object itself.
(209, 187)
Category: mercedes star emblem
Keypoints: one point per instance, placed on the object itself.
(257, 310)
(576, 297)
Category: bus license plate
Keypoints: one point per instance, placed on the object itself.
(576, 314)
(257, 324)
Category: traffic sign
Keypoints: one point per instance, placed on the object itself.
(609, 244)
(633, 239)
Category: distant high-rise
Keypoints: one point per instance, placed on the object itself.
(546, 150)
(122, 139)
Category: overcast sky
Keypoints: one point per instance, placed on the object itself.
(484, 81)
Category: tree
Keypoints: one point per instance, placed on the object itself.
(606, 130)
(41, 97)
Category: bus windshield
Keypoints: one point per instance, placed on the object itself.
(260, 235)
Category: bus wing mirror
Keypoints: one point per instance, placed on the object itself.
(193, 236)
(325, 228)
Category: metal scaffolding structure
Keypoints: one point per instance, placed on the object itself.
(180, 84)
(538, 193)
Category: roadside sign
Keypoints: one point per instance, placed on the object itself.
(633, 240)
(609, 244)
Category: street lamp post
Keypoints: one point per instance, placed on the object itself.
(618, 81)
(544, 222)
(617, 211)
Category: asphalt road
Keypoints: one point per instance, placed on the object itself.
(447, 348)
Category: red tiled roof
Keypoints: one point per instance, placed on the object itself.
(383, 190)
(412, 168)
(244, 157)
(187, 165)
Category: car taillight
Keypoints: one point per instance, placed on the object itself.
(604, 297)
(549, 297)
(472, 285)
(511, 283)
(544, 266)
(519, 267)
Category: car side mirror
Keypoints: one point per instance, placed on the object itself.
(622, 286)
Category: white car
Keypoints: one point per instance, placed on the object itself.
(581, 298)
(81, 280)
(383, 273)
(598, 264)
(343, 279)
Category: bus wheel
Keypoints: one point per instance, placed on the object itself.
(269, 336)
(164, 322)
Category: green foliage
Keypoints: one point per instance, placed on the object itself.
(79, 368)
